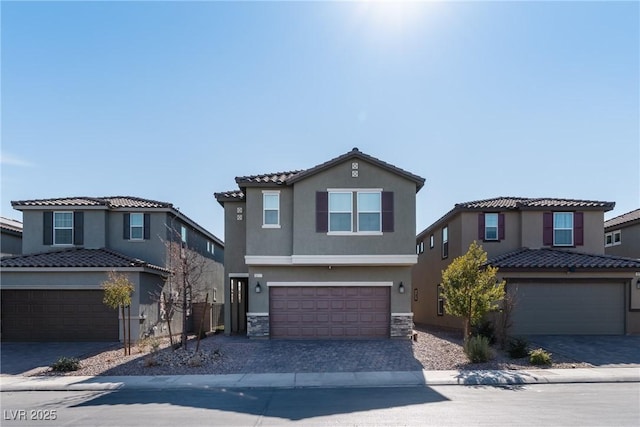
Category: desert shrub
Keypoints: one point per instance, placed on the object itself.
(66, 364)
(477, 349)
(150, 361)
(195, 361)
(518, 348)
(540, 357)
(487, 330)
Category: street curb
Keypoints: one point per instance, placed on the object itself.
(322, 380)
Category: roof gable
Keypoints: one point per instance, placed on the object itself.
(357, 154)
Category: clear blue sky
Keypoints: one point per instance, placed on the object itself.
(171, 101)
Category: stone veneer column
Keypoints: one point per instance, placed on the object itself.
(258, 325)
(401, 325)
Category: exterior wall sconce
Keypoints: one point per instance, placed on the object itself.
(258, 288)
(401, 288)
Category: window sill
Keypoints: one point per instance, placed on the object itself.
(270, 225)
(357, 233)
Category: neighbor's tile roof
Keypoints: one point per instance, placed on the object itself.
(624, 218)
(554, 258)
(77, 257)
(111, 202)
(523, 202)
(11, 224)
(228, 196)
(270, 178)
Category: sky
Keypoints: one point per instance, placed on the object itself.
(171, 101)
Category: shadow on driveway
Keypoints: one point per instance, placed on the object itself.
(20, 357)
(598, 350)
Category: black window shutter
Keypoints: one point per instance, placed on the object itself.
(47, 227)
(547, 229)
(578, 228)
(78, 228)
(147, 226)
(126, 230)
(481, 226)
(500, 226)
(387, 211)
(322, 212)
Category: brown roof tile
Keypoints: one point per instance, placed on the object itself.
(622, 219)
(77, 257)
(270, 178)
(560, 259)
(111, 202)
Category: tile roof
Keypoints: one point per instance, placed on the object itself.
(524, 202)
(562, 259)
(270, 178)
(622, 219)
(111, 202)
(77, 257)
(10, 224)
(229, 196)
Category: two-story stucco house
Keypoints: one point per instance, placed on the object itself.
(622, 235)
(550, 253)
(321, 253)
(52, 291)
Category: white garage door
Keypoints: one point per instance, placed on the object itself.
(568, 308)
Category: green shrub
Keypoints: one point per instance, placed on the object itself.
(477, 349)
(540, 357)
(486, 329)
(518, 348)
(66, 364)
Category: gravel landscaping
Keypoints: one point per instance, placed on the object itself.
(219, 354)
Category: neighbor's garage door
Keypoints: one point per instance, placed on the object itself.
(55, 315)
(569, 308)
(329, 312)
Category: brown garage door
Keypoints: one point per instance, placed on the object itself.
(329, 312)
(55, 315)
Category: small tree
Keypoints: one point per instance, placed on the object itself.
(117, 293)
(469, 287)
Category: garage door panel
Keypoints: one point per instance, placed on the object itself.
(57, 315)
(574, 308)
(330, 312)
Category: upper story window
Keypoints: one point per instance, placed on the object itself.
(340, 211)
(431, 242)
(63, 228)
(183, 233)
(445, 242)
(136, 226)
(613, 238)
(369, 211)
(563, 228)
(491, 226)
(372, 208)
(420, 248)
(270, 209)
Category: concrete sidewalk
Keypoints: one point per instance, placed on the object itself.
(321, 380)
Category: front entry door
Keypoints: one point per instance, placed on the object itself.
(239, 306)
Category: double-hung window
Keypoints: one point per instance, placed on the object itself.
(445, 242)
(136, 226)
(613, 238)
(369, 212)
(340, 212)
(63, 228)
(491, 226)
(563, 228)
(270, 209)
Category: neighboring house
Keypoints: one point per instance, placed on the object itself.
(321, 253)
(622, 235)
(52, 292)
(10, 237)
(550, 253)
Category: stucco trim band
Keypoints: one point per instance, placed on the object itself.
(321, 284)
(398, 260)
